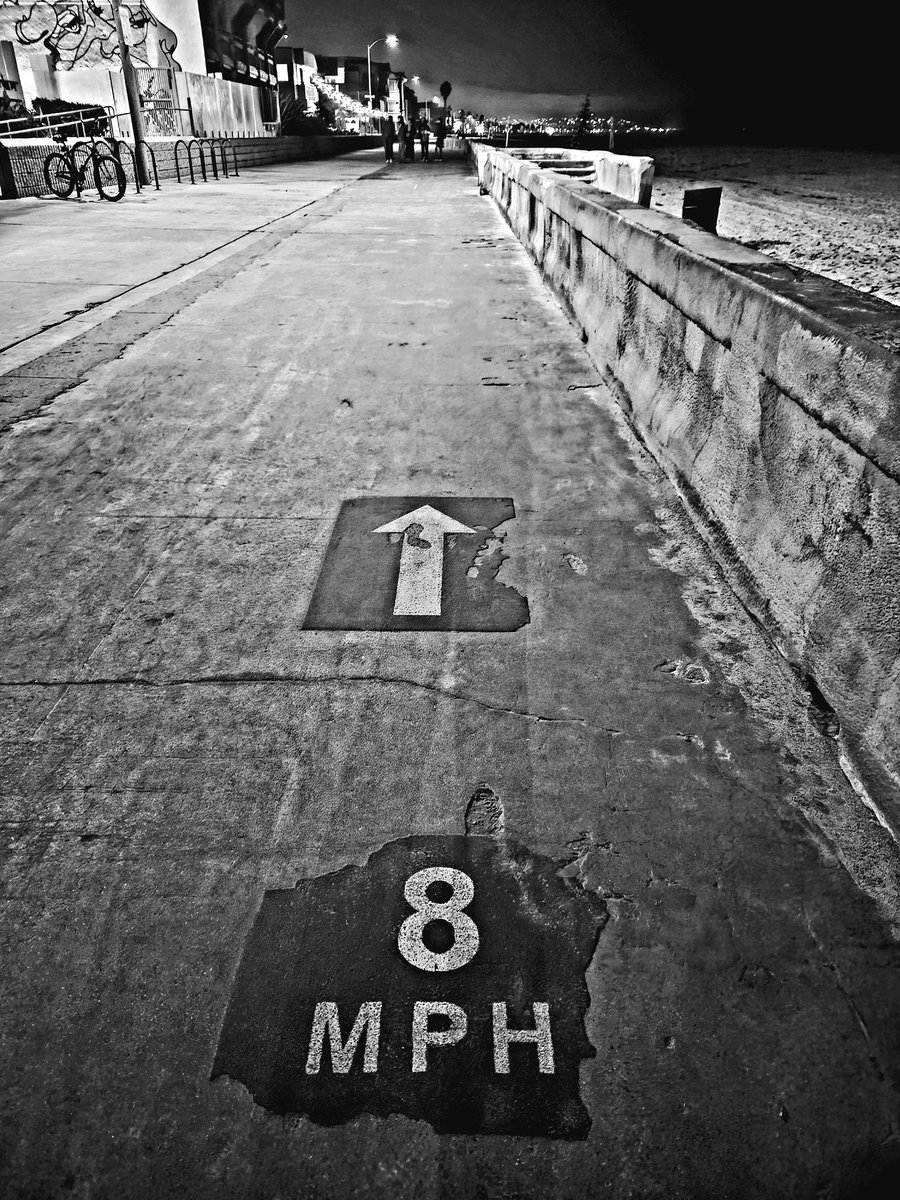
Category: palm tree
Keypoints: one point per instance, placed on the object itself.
(583, 127)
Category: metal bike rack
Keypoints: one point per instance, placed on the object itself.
(191, 144)
(203, 145)
(146, 148)
(208, 142)
(224, 145)
(218, 143)
(117, 145)
(187, 150)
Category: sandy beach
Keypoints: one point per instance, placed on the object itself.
(835, 212)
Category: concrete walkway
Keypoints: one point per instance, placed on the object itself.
(60, 259)
(212, 690)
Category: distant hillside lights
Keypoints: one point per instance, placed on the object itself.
(566, 126)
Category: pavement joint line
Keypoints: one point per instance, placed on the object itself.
(250, 678)
(203, 517)
(23, 350)
(60, 333)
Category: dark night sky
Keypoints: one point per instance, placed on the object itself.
(766, 64)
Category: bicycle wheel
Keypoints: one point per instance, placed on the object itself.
(109, 177)
(58, 174)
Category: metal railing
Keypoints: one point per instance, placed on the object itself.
(40, 123)
(160, 120)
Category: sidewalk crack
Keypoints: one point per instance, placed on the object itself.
(227, 679)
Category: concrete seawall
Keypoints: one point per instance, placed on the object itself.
(771, 398)
(624, 175)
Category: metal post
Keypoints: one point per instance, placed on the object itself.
(370, 97)
(134, 97)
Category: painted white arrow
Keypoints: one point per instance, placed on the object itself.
(421, 559)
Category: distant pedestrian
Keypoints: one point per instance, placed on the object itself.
(424, 139)
(402, 132)
(388, 133)
(411, 141)
(439, 139)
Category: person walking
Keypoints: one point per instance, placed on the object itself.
(424, 139)
(439, 139)
(388, 133)
(402, 133)
(411, 141)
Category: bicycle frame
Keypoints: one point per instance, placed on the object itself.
(91, 160)
(78, 165)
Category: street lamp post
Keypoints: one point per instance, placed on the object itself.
(390, 40)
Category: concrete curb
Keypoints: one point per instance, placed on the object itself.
(772, 401)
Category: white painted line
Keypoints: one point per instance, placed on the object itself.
(421, 576)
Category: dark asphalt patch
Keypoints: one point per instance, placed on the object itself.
(358, 583)
(329, 1016)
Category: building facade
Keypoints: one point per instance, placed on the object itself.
(67, 53)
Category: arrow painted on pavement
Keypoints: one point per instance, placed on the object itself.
(421, 577)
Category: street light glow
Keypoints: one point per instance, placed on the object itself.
(389, 39)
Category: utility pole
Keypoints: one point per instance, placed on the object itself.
(134, 96)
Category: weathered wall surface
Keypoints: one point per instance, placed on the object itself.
(252, 152)
(219, 105)
(772, 400)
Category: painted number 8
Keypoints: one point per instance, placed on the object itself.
(411, 941)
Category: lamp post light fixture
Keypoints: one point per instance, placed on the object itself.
(391, 40)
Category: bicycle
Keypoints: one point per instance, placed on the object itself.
(64, 173)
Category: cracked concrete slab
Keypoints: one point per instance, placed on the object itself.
(175, 744)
